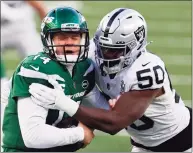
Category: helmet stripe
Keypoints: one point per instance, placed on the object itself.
(111, 21)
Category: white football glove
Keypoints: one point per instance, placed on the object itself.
(52, 98)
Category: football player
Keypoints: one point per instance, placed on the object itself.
(31, 127)
(147, 105)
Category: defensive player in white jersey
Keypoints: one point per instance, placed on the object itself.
(147, 105)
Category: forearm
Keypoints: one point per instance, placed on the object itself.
(46, 136)
(109, 121)
(104, 120)
(37, 134)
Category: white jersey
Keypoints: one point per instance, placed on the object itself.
(166, 116)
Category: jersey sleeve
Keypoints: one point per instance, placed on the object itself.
(28, 72)
(148, 75)
(24, 78)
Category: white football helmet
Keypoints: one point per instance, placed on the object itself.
(120, 37)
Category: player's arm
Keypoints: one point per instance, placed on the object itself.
(39, 7)
(37, 134)
(146, 85)
(129, 107)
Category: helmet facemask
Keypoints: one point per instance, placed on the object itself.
(67, 56)
(59, 31)
(122, 55)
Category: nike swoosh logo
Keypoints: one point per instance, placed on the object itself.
(145, 64)
(35, 68)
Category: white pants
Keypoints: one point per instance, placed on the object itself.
(136, 149)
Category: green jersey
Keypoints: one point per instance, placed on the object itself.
(37, 69)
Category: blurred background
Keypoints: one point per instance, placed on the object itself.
(169, 27)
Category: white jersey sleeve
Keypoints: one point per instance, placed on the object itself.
(147, 73)
(37, 134)
(95, 99)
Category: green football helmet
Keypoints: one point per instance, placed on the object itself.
(64, 19)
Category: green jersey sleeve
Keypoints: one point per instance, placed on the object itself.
(34, 69)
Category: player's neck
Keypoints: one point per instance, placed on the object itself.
(70, 68)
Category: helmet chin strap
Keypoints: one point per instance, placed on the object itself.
(62, 60)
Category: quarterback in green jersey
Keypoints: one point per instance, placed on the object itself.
(30, 127)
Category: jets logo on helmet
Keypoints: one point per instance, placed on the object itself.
(48, 19)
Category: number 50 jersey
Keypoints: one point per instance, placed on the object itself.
(166, 116)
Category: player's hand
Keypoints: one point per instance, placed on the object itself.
(112, 102)
(88, 134)
(45, 96)
(52, 98)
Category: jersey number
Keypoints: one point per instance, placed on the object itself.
(147, 124)
(142, 76)
(45, 59)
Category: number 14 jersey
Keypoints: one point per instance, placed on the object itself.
(166, 116)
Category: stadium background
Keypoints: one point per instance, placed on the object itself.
(169, 26)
